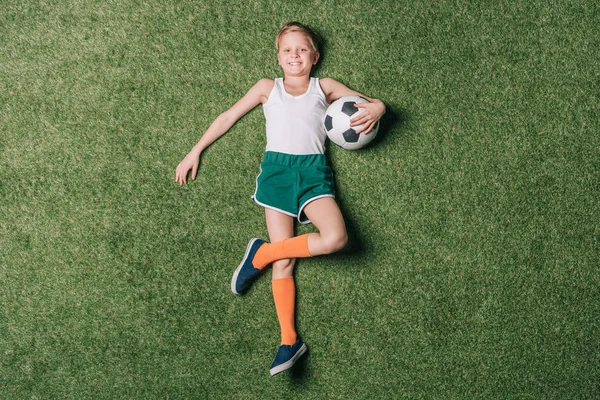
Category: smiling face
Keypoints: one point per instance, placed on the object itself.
(296, 54)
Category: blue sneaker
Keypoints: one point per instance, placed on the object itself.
(245, 274)
(287, 356)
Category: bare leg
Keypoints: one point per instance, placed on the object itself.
(280, 227)
(326, 216)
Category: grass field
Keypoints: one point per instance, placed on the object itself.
(473, 264)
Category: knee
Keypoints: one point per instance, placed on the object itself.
(282, 268)
(335, 241)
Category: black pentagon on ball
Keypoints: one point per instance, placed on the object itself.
(350, 136)
(349, 108)
(328, 122)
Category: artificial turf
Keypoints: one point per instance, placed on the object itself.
(472, 269)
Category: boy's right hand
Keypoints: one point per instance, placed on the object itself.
(191, 161)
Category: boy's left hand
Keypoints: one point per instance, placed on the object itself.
(372, 113)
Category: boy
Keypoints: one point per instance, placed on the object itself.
(295, 181)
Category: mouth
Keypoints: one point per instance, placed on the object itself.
(294, 63)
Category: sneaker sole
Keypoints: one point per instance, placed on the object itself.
(289, 364)
(238, 269)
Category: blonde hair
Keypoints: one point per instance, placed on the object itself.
(293, 26)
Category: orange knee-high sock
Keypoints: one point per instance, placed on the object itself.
(296, 247)
(284, 294)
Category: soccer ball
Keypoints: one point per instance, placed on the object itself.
(337, 123)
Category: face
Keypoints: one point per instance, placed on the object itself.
(295, 54)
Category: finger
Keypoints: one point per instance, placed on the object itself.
(194, 171)
(360, 121)
(362, 129)
(359, 118)
(365, 129)
(356, 119)
(180, 177)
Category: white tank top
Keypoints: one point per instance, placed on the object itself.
(295, 123)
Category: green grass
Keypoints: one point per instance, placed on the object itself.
(473, 264)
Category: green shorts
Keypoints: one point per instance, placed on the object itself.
(287, 182)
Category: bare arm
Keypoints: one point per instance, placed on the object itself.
(374, 110)
(259, 93)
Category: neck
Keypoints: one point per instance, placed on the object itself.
(296, 80)
(296, 86)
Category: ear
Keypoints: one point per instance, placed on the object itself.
(316, 58)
